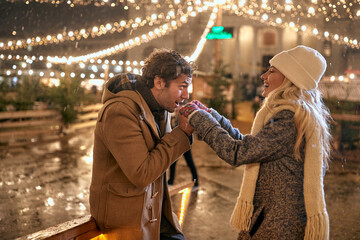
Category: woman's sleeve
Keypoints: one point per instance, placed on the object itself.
(275, 140)
(226, 124)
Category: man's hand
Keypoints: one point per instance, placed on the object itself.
(185, 125)
(201, 106)
(188, 108)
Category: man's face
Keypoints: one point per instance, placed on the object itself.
(171, 96)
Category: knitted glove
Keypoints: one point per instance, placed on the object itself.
(201, 106)
(188, 108)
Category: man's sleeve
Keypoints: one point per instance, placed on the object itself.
(124, 138)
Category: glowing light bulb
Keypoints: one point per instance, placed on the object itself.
(311, 10)
(82, 65)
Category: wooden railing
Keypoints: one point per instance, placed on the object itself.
(84, 228)
(23, 127)
(351, 121)
(26, 125)
(345, 117)
(86, 117)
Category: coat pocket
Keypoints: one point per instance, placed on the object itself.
(124, 206)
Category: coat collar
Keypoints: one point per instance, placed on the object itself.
(145, 114)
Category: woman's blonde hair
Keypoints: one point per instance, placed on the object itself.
(309, 109)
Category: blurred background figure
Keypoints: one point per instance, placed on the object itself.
(189, 161)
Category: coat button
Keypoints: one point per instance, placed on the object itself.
(155, 194)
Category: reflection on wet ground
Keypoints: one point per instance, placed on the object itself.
(44, 185)
(47, 184)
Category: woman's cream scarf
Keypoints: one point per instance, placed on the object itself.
(317, 226)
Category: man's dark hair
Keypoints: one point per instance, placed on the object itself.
(166, 64)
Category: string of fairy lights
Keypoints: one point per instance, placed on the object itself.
(95, 31)
(175, 17)
(157, 32)
(275, 21)
(203, 39)
(93, 70)
(98, 3)
(331, 9)
(340, 9)
(96, 69)
(250, 9)
(278, 14)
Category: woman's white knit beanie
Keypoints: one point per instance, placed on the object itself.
(302, 65)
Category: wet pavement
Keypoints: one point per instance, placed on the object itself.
(46, 184)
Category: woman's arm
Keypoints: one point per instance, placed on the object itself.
(226, 124)
(276, 139)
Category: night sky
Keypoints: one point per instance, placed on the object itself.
(42, 19)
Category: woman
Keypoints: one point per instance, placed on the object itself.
(282, 195)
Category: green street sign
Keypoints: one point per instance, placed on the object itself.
(219, 32)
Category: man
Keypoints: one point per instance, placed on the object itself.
(134, 146)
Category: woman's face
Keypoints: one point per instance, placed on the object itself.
(273, 78)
